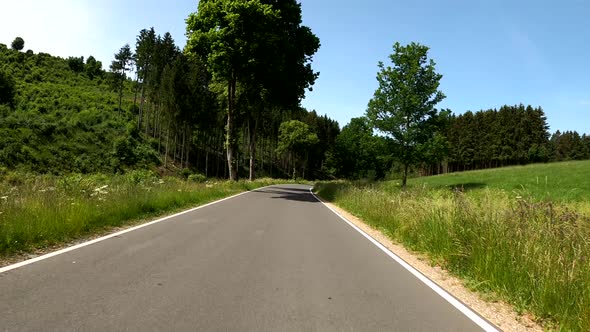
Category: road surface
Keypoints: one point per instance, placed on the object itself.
(271, 260)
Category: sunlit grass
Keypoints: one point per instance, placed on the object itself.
(561, 182)
(530, 247)
(41, 211)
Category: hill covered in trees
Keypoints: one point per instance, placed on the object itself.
(62, 116)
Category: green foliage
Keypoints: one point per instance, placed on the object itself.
(76, 64)
(357, 152)
(18, 44)
(93, 67)
(260, 52)
(63, 122)
(526, 245)
(295, 137)
(7, 89)
(198, 178)
(570, 146)
(119, 68)
(403, 105)
(508, 136)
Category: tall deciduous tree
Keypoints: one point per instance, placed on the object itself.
(258, 49)
(284, 72)
(403, 106)
(119, 67)
(231, 36)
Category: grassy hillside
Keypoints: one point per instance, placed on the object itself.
(528, 242)
(65, 119)
(563, 182)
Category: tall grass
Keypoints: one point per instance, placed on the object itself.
(40, 211)
(532, 253)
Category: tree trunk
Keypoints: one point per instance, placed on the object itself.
(167, 144)
(121, 95)
(206, 163)
(230, 135)
(136, 90)
(141, 102)
(405, 176)
(252, 147)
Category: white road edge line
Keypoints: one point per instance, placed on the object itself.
(84, 244)
(485, 325)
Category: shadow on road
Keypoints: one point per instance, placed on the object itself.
(291, 194)
(292, 189)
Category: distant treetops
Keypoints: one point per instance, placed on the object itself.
(18, 44)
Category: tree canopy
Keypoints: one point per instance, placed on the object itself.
(296, 139)
(18, 44)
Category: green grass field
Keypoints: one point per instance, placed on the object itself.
(559, 182)
(506, 233)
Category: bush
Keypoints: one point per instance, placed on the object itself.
(198, 178)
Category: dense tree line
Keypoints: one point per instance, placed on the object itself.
(510, 135)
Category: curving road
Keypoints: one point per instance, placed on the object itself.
(275, 259)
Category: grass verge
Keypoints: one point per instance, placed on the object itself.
(37, 212)
(530, 252)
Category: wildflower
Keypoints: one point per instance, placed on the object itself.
(101, 188)
(42, 190)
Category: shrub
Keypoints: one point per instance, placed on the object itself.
(198, 178)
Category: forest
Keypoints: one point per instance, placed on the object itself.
(228, 114)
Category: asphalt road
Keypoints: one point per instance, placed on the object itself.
(271, 260)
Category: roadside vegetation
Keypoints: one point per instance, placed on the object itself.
(42, 211)
(521, 233)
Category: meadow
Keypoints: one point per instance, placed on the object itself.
(521, 234)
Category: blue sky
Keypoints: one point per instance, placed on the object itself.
(490, 52)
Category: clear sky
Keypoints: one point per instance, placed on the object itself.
(491, 52)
